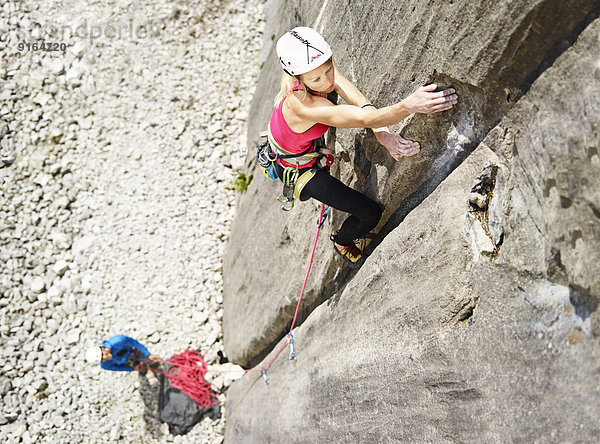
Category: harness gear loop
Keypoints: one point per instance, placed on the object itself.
(303, 180)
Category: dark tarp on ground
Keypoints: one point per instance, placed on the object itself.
(179, 411)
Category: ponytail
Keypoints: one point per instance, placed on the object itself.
(285, 89)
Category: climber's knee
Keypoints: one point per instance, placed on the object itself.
(372, 215)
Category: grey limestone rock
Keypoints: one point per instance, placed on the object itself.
(426, 344)
(490, 53)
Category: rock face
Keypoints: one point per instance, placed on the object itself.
(468, 322)
(495, 52)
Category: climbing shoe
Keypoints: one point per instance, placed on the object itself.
(351, 254)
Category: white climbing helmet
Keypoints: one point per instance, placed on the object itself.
(93, 355)
(301, 50)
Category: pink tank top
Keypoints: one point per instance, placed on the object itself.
(290, 140)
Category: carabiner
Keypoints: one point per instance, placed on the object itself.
(288, 204)
(264, 375)
(292, 350)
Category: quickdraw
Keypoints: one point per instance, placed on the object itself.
(290, 175)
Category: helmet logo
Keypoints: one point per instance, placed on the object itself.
(309, 57)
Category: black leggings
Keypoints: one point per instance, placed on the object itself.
(364, 212)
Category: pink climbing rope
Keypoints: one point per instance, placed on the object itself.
(289, 335)
(312, 256)
(186, 370)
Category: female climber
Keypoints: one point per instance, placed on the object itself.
(303, 114)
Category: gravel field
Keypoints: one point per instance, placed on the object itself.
(115, 161)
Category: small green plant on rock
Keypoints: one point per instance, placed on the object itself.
(240, 182)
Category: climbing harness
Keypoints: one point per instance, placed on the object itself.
(293, 182)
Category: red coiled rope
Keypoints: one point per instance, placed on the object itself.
(186, 372)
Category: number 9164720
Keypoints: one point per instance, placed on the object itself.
(41, 46)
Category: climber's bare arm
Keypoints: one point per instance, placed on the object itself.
(317, 109)
(352, 95)
(394, 143)
(347, 91)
